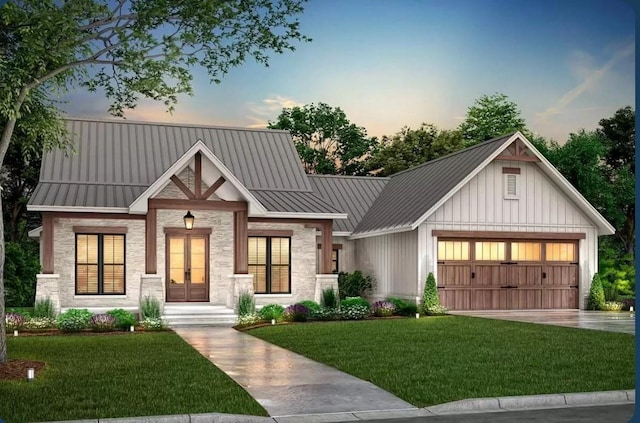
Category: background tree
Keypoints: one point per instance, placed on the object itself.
(128, 49)
(326, 141)
(490, 117)
(412, 147)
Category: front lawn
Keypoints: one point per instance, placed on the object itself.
(95, 376)
(440, 359)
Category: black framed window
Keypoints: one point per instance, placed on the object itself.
(335, 260)
(100, 264)
(270, 264)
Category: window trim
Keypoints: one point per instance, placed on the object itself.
(100, 265)
(268, 265)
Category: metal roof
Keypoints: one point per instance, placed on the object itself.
(349, 194)
(115, 160)
(294, 202)
(411, 193)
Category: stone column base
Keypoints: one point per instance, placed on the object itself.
(239, 284)
(152, 286)
(48, 286)
(323, 282)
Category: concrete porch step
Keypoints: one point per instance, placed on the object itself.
(198, 314)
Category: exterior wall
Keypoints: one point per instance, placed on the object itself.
(303, 264)
(541, 207)
(346, 256)
(64, 245)
(392, 260)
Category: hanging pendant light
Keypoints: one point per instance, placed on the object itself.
(188, 220)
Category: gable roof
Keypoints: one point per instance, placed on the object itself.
(116, 161)
(412, 195)
(350, 194)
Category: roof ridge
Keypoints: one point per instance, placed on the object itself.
(179, 124)
(464, 150)
(349, 177)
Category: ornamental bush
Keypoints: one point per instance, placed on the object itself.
(39, 323)
(150, 308)
(403, 308)
(246, 304)
(14, 321)
(438, 310)
(311, 305)
(611, 306)
(329, 299)
(297, 313)
(123, 319)
(249, 319)
(326, 314)
(354, 284)
(152, 323)
(74, 320)
(271, 311)
(351, 301)
(596, 294)
(355, 312)
(383, 308)
(102, 323)
(44, 308)
(430, 297)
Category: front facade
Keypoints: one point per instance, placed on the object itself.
(496, 223)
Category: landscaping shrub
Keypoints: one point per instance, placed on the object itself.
(354, 284)
(123, 319)
(249, 319)
(152, 323)
(311, 305)
(611, 306)
(21, 266)
(74, 320)
(326, 314)
(329, 299)
(13, 321)
(19, 310)
(596, 294)
(627, 303)
(246, 304)
(438, 310)
(430, 297)
(403, 308)
(383, 308)
(39, 323)
(44, 308)
(102, 323)
(271, 311)
(354, 308)
(297, 313)
(150, 308)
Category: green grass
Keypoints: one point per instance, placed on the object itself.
(440, 359)
(117, 376)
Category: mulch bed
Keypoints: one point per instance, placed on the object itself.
(17, 369)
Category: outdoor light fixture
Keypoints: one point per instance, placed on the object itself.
(15, 332)
(31, 374)
(131, 328)
(188, 220)
(417, 315)
(273, 321)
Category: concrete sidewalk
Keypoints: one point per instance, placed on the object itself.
(283, 382)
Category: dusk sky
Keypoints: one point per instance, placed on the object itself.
(566, 63)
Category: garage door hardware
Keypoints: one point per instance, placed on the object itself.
(508, 287)
(509, 262)
(544, 275)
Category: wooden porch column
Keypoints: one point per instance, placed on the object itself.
(151, 240)
(327, 247)
(240, 242)
(47, 243)
(197, 186)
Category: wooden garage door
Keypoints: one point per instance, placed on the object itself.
(507, 274)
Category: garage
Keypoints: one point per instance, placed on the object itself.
(493, 273)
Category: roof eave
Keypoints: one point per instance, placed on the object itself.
(379, 232)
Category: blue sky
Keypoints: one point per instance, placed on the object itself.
(566, 63)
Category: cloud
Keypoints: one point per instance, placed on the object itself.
(591, 78)
(269, 108)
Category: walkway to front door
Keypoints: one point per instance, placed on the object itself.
(283, 382)
(598, 320)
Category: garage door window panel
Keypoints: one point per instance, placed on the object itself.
(526, 251)
(453, 250)
(560, 251)
(490, 250)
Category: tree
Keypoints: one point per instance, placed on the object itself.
(326, 141)
(490, 117)
(412, 147)
(128, 49)
(619, 135)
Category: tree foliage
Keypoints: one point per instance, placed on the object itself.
(491, 116)
(326, 141)
(128, 49)
(412, 147)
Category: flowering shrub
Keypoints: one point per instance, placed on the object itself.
(611, 306)
(123, 319)
(152, 323)
(249, 319)
(349, 301)
(355, 312)
(436, 310)
(297, 313)
(403, 308)
(102, 323)
(271, 311)
(14, 321)
(326, 314)
(311, 305)
(39, 323)
(74, 320)
(383, 308)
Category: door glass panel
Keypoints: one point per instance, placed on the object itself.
(490, 250)
(526, 251)
(198, 259)
(176, 260)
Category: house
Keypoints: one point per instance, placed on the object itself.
(195, 215)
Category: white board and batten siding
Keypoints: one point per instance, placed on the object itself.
(392, 260)
(480, 205)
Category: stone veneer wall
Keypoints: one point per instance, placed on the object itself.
(64, 245)
(303, 264)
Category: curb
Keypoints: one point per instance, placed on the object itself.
(467, 406)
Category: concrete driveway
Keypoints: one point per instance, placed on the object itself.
(598, 320)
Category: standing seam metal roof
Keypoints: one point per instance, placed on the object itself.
(412, 192)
